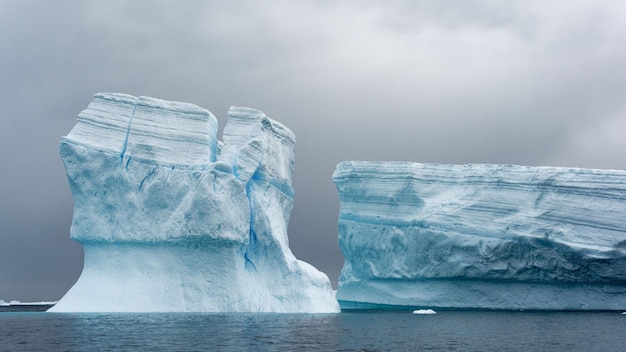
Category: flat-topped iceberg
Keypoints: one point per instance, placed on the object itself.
(173, 220)
(481, 236)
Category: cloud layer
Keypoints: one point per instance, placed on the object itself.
(526, 82)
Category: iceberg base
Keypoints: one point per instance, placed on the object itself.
(159, 277)
(183, 276)
(477, 294)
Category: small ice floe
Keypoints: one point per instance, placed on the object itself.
(424, 311)
(623, 313)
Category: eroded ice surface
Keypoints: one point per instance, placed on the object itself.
(173, 220)
(481, 236)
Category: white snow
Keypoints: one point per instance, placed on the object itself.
(19, 303)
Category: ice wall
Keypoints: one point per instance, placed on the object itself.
(173, 220)
(481, 236)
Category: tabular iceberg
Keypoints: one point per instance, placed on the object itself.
(173, 220)
(481, 236)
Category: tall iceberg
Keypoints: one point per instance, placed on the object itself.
(173, 220)
(481, 236)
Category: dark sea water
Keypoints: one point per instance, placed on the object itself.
(351, 331)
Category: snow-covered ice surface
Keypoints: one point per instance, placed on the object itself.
(481, 236)
(19, 303)
(173, 220)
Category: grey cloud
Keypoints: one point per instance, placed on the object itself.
(446, 81)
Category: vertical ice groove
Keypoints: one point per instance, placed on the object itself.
(130, 121)
(146, 177)
(127, 161)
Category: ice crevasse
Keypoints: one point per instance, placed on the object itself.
(171, 219)
(481, 236)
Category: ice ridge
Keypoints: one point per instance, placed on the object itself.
(481, 236)
(171, 219)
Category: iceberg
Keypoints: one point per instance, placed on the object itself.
(173, 220)
(481, 236)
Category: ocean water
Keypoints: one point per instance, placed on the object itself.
(348, 331)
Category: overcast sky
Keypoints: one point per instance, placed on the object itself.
(522, 82)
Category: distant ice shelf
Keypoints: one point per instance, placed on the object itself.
(19, 303)
(171, 219)
(481, 236)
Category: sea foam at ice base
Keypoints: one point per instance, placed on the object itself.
(481, 236)
(173, 220)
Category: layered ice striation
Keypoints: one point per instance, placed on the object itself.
(173, 220)
(481, 236)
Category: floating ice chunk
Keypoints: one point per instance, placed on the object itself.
(424, 311)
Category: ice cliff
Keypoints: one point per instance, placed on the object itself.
(481, 236)
(173, 220)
